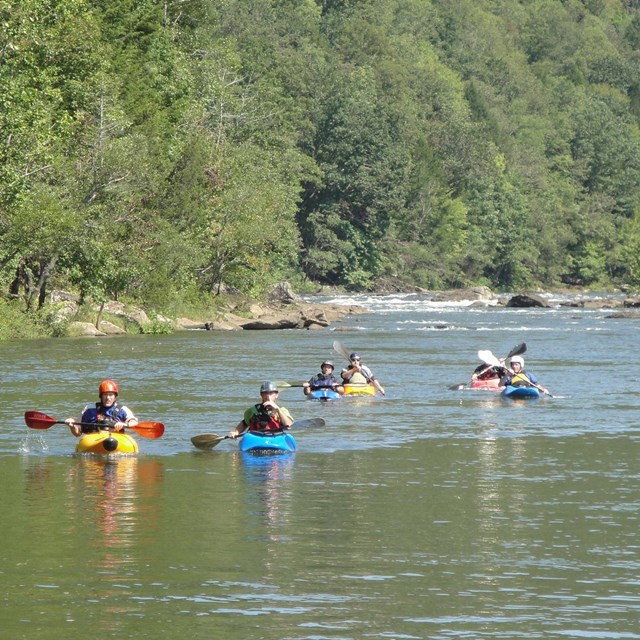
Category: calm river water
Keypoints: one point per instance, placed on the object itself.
(428, 513)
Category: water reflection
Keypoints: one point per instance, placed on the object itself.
(114, 488)
(269, 492)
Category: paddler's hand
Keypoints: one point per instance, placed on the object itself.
(118, 427)
(232, 434)
(74, 428)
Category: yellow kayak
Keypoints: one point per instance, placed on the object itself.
(106, 442)
(359, 390)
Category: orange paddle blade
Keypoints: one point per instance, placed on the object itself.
(149, 429)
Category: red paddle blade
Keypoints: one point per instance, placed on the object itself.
(149, 429)
(38, 420)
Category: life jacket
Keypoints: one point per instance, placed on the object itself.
(520, 380)
(357, 378)
(264, 420)
(322, 382)
(100, 416)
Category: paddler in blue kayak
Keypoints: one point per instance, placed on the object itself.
(266, 416)
(323, 380)
(105, 413)
(518, 377)
(358, 373)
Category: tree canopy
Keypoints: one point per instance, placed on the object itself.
(160, 150)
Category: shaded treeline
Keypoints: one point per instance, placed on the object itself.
(160, 150)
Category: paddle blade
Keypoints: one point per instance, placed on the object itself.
(338, 347)
(149, 429)
(518, 350)
(207, 440)
(38, 420)
(488, 358)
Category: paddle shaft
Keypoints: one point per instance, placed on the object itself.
(39, 420)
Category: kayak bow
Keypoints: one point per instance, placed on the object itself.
(106, 442)
(268, 443)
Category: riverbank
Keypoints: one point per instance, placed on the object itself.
(283, 309)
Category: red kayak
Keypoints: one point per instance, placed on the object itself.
(490, 384)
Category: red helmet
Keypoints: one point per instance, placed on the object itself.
(107, 386)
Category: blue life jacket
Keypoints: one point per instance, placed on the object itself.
(322, 382)
(101, 415)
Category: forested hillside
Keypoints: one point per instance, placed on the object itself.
(161, 150)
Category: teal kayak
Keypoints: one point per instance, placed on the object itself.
(520, 392)
(267, 443)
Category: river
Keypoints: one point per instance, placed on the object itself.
(429, 513)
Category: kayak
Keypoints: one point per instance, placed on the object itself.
(106, 442)
(359, 390)
(323, 394)
(520, 392)
(491, 384)
(267, 443)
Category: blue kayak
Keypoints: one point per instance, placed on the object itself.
(323, 394)
(520, 392)
(267, 443)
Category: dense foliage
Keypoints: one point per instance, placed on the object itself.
(161, 151)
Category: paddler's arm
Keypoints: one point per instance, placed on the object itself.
(75, 429)
(239, 430)
(129, 421)
(284, 417)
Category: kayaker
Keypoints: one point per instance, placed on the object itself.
(358, 373)
(485, 372)
(105, 413)
(518, 377)
(323, 380)
(266, 416)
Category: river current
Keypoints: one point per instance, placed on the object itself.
(427, 513)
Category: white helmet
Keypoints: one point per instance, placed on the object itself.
(518, 360)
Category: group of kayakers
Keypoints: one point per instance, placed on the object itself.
(268, 416)
(502, 375)
(354, 373)
(264, 417)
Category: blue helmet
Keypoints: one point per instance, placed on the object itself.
(354, 356)
(268, 387)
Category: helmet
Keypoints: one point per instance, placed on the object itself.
(327, 363)
(107, 386)
(268, 387)
(354, 356)
(517, 360)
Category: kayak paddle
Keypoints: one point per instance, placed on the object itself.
(210, 440)
(518, 350)
(488, 358)
(345, 353)
(39, 420)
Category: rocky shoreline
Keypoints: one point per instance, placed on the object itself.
(285, 310)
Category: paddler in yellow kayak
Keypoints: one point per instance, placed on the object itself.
(358, 373)
(106, 413)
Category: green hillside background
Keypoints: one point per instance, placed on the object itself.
(170, 152)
